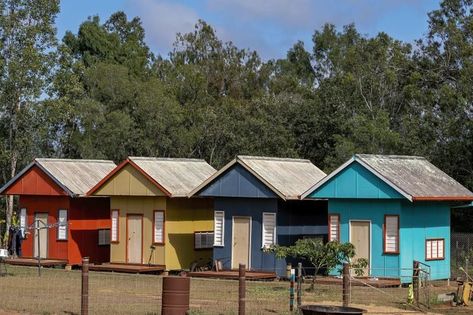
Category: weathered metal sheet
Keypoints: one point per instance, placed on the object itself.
(415, 176)
(177, 176)
(76, 176)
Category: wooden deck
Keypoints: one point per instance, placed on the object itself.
(379, 283)
(34, 262)
(233, 275)
(128, 268)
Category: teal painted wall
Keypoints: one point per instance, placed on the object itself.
(356, 182)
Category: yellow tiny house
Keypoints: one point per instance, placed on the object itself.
(152, 220)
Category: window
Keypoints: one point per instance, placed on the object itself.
(23, 221)
(158, 227)
(391, 234)
(434, 249)
(219, 228)
(203, 240)
(104, 237)
(334, 227)
(115, 227)
(62, 225)
(269, 229)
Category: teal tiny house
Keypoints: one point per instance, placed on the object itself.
(394, 209)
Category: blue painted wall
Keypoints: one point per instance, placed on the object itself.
(357, 194)
(237, 182)
(356, 182)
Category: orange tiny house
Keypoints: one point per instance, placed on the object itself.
(53, 190)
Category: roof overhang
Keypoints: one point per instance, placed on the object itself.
(120, 167)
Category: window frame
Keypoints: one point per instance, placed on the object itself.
(204, 232)
(223, 228)
(263, 245)
(109, 238)
(66, 227)
(329, 227)
(112, 241)
(443, 249)
(23, 225)
(398, 241)
(154, 227)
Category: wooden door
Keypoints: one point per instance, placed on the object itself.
(241, 245)
(41, 220)
(360, 238)
(134, 239)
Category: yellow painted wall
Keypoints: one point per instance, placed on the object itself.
(128, 182)
(138, 205)
(183, 218)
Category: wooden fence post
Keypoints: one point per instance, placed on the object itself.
(346, 285)
(84, 305)
(241, 289)
(299, 284)
(291, 290)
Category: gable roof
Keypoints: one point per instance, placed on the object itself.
(287, 178)
(175, 177)
(75, 177)
(413, 177)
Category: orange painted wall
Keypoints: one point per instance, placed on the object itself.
(35, 182)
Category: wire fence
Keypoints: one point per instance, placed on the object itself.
(461, 254)
(58, 291)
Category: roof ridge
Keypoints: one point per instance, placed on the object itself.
(396, 156)
(272, 158)
(71, 160)
(143, 158)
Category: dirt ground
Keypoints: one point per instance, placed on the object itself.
(58, 292)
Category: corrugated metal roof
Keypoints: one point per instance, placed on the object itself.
(288, 178)
(177, 176)
(415, 176)
(76, 176)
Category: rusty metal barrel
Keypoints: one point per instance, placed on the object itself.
(175, 295)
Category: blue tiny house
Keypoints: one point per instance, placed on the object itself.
(257, 204)
(394, 209)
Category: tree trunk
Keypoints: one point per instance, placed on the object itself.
(9, 198)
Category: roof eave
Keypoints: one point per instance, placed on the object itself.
(442, 198)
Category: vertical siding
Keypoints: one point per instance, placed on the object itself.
(51, 205)
(383, 265)
(421, 221)
(35, 182)
(138, 205)
(183, 218)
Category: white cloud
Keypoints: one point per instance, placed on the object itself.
(162, 20)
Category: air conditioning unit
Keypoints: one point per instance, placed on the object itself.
(3, 253)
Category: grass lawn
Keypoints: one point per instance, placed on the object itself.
(58, 292)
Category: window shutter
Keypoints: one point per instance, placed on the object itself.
(334, 228)
(23, 221)
(269, 229)
(219, 228)
(159, 227)
(62, 226)
(434, 249)
(391, 236)
(114, 236)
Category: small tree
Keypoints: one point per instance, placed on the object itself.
(321, 256)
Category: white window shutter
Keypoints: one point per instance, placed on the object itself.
(391, 234)
(269, 229)
(114, 236)
(440, 249)
(334, 228)
(159, 227)
(23, 221)
(219, 228)
(62, 226)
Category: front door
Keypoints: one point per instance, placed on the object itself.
(360, 238)
(41, 220)
(241, 242)
(134, 238)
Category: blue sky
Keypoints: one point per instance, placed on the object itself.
(269, 26)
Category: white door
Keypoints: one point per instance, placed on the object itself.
(361, 239)
(134, 238)
(41, 220)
